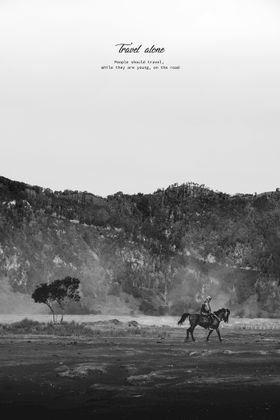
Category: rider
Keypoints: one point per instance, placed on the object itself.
(206, 308)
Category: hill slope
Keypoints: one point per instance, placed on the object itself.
(155, 253)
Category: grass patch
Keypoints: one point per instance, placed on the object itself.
(112, 328)
(27, 326)
(253, 324)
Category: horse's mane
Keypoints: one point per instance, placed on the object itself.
(219, 311)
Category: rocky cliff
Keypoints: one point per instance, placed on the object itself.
(157, 253)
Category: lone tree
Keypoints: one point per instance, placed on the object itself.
(57, 294)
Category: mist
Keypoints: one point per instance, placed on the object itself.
(17, 303)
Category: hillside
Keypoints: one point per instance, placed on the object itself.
(152, 253)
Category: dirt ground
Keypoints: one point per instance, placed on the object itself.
(140, 377)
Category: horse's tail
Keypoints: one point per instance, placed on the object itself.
(183, 318)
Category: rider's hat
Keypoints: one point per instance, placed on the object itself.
(208, 298)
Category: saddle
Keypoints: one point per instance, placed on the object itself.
(210, 316)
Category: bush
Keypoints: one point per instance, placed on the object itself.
(111, 328)
(27, 326)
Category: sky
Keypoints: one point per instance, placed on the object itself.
(67, 124)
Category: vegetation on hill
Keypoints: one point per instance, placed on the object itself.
(155, 253)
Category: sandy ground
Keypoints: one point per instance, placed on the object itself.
(140, 377)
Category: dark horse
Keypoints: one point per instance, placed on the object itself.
(210, 322)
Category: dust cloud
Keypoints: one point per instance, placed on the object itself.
(12, 302)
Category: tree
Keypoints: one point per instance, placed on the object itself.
(57, 294)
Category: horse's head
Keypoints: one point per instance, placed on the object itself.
(226, 313)
(223, 314)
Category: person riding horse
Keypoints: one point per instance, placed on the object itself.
(210, 322)
(206, 308)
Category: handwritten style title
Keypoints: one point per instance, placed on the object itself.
(127, 48)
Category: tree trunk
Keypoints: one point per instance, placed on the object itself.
(52, 311)
(62, 312)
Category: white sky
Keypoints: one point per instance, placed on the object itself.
(66, 124)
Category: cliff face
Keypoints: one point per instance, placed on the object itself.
(155, 253)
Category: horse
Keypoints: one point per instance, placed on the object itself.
(210, 322)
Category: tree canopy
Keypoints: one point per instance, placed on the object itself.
(56, 294)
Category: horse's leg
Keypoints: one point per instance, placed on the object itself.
(191, 331)
(192, 327)
(219, 335)
(187, 336)
(210, 332)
